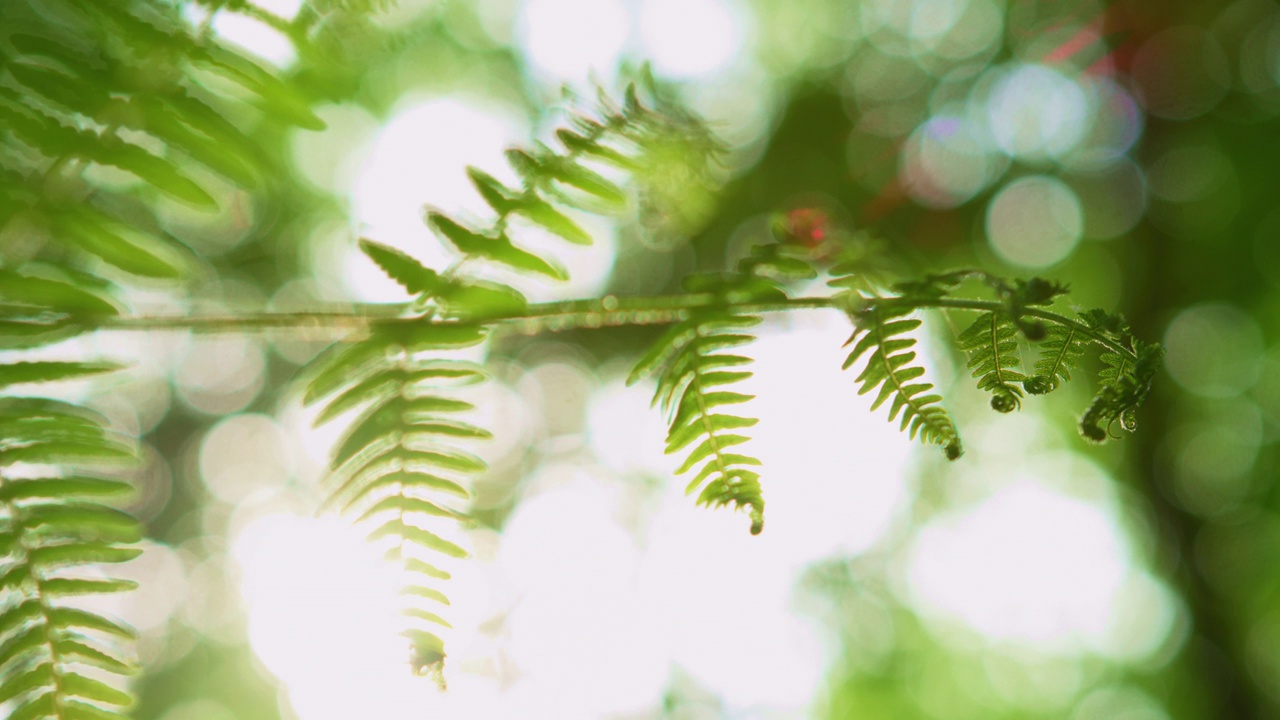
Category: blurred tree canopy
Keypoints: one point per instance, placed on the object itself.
(195, 163)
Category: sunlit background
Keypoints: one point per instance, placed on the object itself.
(1106, 145)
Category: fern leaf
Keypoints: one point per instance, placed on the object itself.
(1061, 351)
(28, 372)
(44, 533)
(544, 214)
(1125, 386)
(888, 368)
(689, 362)
(403, 269)
(498, 249)
(396, 465)
(992, 344)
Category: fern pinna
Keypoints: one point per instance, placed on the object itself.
(397, 464)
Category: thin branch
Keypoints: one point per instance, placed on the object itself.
(609, 311)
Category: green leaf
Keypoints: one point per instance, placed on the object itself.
(53, 294)
(67, 451)
(544, 214)
(30, 372)
(499, 249)
(83, 520)
(79, 685)
(77, 586)
(418, 566)
(425, 615)
(498, 196)
(65, 617)
(888, 369)
(404, 504)
(14, 616)
(1061, 351)
(588, 181)
(78, 646)
(101, 235)
(426, 592)
(992, 344)
(403, 269)
(73, 710)
(40, 706)
(81, 553)
(24, 641)
(15, 685)
(394, 481)
(61, 487)
(418, 536)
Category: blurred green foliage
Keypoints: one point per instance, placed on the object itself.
(1125, 149)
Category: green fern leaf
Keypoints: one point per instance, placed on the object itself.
(55, 295)
(544, 214)
(31, 372)
(1061, 352)
(1125, 386)
(992, 344)
(396, 464)
(888, 368)
(98, 234)
(46, 530)
(498, 249)
(400, 267)
(689, 361)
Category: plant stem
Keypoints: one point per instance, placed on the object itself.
(609, 311)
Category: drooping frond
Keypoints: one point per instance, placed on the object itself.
(882, 332)
(53, 528)
(398, 465)
(992, 344)
(694, 370)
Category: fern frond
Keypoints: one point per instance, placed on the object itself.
(992, 344)
(883, 333)
(1125, 386)
(694, 371)
(51, 530)
(1061, 351)
(397, 466)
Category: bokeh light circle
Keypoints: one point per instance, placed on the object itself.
(1035, 221)
(688, 38)
(1037, 113)
(568, 39)
(947, 161)
(1213, 350)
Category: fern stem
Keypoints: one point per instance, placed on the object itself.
(703, 412)
(609, 311)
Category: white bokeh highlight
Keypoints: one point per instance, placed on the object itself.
(567, 40)
(1029, 564)
(690, 38)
